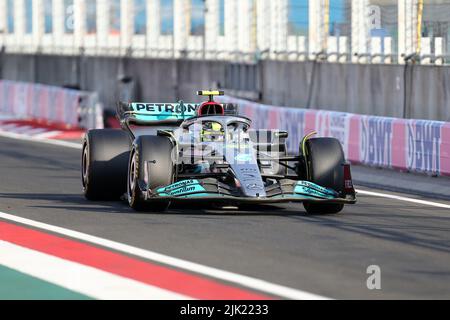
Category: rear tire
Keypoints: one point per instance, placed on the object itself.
(157, 150)
(104, 164)
(325, 157)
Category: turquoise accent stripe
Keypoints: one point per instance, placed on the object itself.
(313, 190)
(181, 188)
(177, 185)
(311, 185)
(161, 117)
(183, 191)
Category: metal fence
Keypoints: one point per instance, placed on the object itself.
(358, 31)
(435, 31)
(384, 31)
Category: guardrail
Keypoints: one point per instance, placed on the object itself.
(50, 105)
(404, 144)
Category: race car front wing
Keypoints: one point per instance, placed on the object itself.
(212, 189)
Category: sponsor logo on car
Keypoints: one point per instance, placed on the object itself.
(164, 107)
(178, 185)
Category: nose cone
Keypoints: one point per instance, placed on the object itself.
(241, 156)
(250, 179)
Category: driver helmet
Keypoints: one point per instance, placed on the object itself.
(212, 131)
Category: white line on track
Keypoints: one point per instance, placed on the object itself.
(246, 281)
(395, 197)
(80, 278)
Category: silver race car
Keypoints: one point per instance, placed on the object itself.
(174, 152)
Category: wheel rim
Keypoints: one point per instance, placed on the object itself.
(85, 166)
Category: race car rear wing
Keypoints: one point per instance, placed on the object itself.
(156, 114)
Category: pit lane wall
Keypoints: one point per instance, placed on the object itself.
(404, 144)
(49, 105)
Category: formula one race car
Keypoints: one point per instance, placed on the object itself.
(174, 152)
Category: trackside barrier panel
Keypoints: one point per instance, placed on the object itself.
(403, 144)
(48, 104)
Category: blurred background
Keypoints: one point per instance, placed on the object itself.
(377, 57)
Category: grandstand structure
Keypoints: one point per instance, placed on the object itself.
(358, 31)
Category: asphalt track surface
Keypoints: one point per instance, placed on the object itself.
(324, 255)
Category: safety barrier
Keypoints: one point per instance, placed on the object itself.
(50, 105)
(404, 144)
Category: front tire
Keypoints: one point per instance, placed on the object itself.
(324, 161)
(158, 151)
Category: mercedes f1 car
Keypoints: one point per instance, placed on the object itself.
(175, 152)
